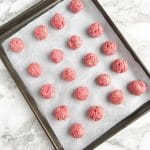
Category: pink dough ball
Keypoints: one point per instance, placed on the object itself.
(34, 69)
(109, 48)
(77, 130)
(68, 74)
(81, 93)
(116, 97)
(16, 45)
(137, 87)
(96, 113)
(56, 55)
(41, 32)
(61, 112)
(47, 91)
(95, 30)
(103, 80)
(90, 60)
(119, 66)
(58, 21)
(75, 42)
(76, 6)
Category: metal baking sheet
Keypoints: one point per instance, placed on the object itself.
(57, 131)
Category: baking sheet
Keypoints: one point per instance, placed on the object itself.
(38, 51)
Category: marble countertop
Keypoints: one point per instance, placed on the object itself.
(19, 130)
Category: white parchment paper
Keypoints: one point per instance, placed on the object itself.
(38, 51)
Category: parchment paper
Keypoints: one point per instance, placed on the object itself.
(38, 51)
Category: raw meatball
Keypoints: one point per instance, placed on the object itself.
(137, 87)
(61, 112)
(47, 91)
(95, 30)
(119, 66)
(77, 130)
(81, 93)
(76, 6)
(56, 55)
(68, 74)
(96, 113)
(90, 59)
(75, 42)
(116, 97)
(103, 80)
(41, 32)
(58, 21)
(16, 45)
(109, 48)
(34, 70)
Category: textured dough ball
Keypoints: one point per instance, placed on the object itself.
(68, 74)
(77, 130)
(95, 30)
(76, 6)
(119, 66)
(137, 87)
(109, 48)
(16, 45)
(56, 55)
(34, 69)
(41, 32)
(75, 42)
(47, 91)
(90, 60)
(81, 93)
(116, 97)
(103, 80)
(61, 112)
(96, 113)
(58, 21)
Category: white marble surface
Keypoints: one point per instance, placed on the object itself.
(19, 129)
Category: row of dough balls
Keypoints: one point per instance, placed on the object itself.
(81, 93)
